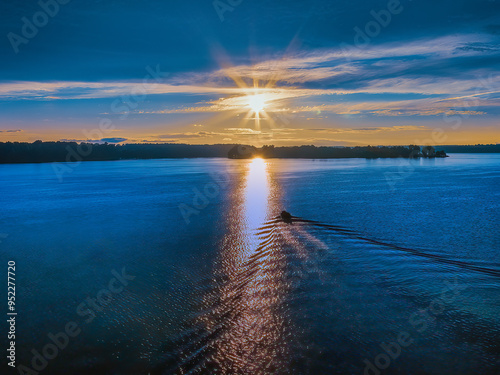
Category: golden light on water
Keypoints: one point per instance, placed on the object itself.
(249, 302)
(245, 315)
(257, 192)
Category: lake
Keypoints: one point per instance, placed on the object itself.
(182, 266)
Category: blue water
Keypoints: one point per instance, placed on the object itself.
(398, 248)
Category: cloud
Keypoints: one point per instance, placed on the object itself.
(430, 112)
(108, 140)
(348, 68)
(432, 106)
(11, 131)
(479, 47)
(243, 131)
(113, 140)
(227, 134)
(369, 130)
(179, 135)
(79, 140)
(187, 135)
(335, 70)
(448, 73)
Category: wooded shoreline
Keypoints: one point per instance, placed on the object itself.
(47, 152)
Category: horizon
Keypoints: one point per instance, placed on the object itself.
(100, 142)
(356, 74)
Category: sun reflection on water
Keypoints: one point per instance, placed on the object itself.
(257, 191)
(249, 312)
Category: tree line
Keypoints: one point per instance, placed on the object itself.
(43, 152)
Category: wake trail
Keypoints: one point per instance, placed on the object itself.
(435, 257)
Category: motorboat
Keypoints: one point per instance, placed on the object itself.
(286, 217)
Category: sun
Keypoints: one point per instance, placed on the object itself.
(256, 102)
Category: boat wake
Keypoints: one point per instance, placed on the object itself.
(435, 257)
(243, 325)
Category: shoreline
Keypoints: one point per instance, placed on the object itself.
(215, 157)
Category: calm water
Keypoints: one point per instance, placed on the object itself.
(380, 250)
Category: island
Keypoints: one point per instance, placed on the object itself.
(313, 152)
(47, 152)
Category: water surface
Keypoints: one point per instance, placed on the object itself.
(378, 249)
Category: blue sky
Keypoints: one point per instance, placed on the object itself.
(281, 72)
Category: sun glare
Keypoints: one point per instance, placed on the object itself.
(256, 102)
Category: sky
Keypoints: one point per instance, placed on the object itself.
(322, 72)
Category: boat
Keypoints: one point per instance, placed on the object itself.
(286, 217)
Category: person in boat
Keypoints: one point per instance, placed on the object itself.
(286, 217)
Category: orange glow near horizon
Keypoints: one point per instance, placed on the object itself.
(490, 135)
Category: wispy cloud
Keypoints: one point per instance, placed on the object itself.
(419, 67)
(371, 68)
(186, 135)
(370, 129)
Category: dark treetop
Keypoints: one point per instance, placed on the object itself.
(45, 152)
